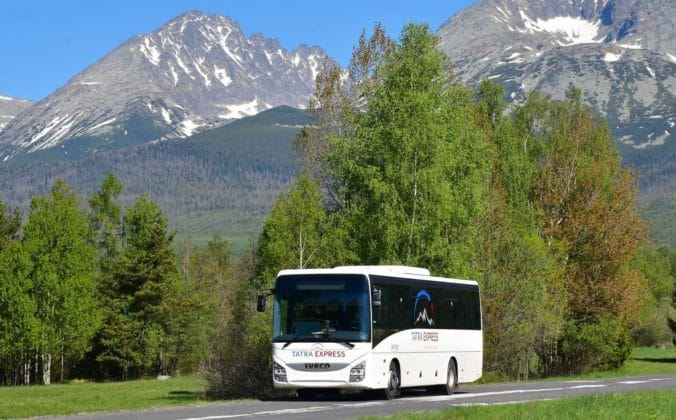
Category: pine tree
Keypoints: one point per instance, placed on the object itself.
(105, 217)
(154, 315)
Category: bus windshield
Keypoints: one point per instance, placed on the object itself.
(324, 307)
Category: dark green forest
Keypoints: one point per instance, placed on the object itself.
(399, 164)
(218, 182)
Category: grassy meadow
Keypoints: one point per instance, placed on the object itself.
(633, 405)
(81, 397)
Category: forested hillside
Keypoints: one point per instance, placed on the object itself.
(221, 181)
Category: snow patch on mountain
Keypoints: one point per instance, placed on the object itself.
(99, 125)
(650, 70)
(566, 29)
(630, 46)
(611, 57)
(151, 52)
(188, 127)
(222, 76)
(654, 140)
(166, 115)
(244, 109)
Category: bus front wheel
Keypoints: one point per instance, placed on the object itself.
(393, 382)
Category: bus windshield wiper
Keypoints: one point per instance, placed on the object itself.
(325, 332)
(347, 343)
(299, 337)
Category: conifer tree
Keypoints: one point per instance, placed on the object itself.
(154, 314)
(105, 218)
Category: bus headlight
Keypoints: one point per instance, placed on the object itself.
(358, 372)
(278, 372)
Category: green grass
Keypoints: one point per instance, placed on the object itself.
(633, 405)
(644, 361)
(29, 401)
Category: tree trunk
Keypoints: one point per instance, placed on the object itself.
(46, 368)
(26, 370)
(36, 373)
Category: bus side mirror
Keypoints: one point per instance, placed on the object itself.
(260, 302)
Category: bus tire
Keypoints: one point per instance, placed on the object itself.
(393, 382)
(451, 378)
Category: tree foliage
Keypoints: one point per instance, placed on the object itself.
(414, 158)
(533, 202)
(298, 233)
(154, 316)
(401, 164)
(61, 275)
(10, 224)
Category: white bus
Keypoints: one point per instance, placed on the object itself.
(374, 327)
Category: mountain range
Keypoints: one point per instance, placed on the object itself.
(618, 52)
(195, 72)
(10, 107)
(198, 73)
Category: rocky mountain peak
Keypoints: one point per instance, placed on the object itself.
(10, 107)
(621, 53)
(196, 71)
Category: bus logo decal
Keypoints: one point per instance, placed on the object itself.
(423, 310)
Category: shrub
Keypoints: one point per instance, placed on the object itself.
(586, 346)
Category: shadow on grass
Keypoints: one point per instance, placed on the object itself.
(662, 360)
(182, 396)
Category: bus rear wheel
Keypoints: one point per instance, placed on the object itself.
(393, 383)
(451, 379)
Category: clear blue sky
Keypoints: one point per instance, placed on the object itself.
(43, 43)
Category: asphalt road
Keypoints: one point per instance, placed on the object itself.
(353, 406)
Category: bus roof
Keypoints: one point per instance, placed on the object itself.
(401, 271)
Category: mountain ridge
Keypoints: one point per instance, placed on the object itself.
(195, 72)
(616, 51)
(10, 107)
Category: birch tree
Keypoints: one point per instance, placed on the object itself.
(298, 233)
(62, 275)
(413, 171)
